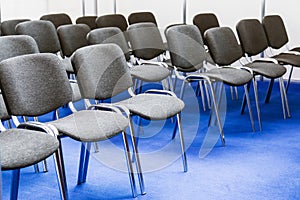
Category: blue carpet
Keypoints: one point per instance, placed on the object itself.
(252, 165)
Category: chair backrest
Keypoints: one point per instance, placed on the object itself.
(112, 20)
(43, 32)
(109, 35)
(72, 37)
(101, 71)
(205, 21)
(88, 20)
(223, 45)
(8, 27)
(252, 36)
(275, 31)
(57, 19)
(34, 84)
(146, 41)
(138, 17)
(186, 47)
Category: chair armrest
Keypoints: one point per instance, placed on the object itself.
(38, 126)
(273, 60)
(165, 92)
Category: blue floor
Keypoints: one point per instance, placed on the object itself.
(252, 165)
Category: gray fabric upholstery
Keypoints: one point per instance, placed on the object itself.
(109, 35)
(252, 36)
(112, 20)
(223, 45)
(91, 125)
(205, 21)
(267, 69)
(72, 37)
(34, 84)
(275, 31)
(8, 27)
(230, 76)
(88, 20)
(101, 71)
(57, 19)
(43, 32)
(139, 17)
(3, 111)
(76, 92)
(146, 41)
(16, 45)
(21, 148)
(186, 47)
(67, 65)
(154, 106)
(288, 59)
(149, 73)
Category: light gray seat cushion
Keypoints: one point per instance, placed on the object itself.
(149, 73)
(230, 76)
(154, 106)
(21, 148)
(288, 59)
(267, 69)
(91, 125)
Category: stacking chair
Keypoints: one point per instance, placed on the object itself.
(147, 44)
(254, 41)
(278, 39)
(50, 89)
(57, 19)
(45, 35)
(8, 27)
(188, 55)
(88, 20)
(102, 72)
(138, 17)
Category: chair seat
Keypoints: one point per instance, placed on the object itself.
(296, 49)
(149, 73)
(21, 148)
(267, 69)
(230, 76)
(288, 59)
(91, 125)
(154, 106)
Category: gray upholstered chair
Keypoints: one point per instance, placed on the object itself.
(8, 27)
(33, 96)
(254, 41)
(88, 20)
(45, 35)
(188, 55)
(32, 142)
(57, 19)
(147, 45)
(138, 17)
(277, 39)
(102, 72)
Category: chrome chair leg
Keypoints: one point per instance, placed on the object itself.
(257, 103)
(289, 80)
(249, 106)
(207, 95)
(45, 166)
(36, 168)
(282, 100)
(285, 97)
(231, 92)
(15, 184)
(86, 161)
(182, 90)
(129, 165)
(202, 95)
(185, 168)
(96, 147)
(236, 93)
(270, 87)
(83, 162)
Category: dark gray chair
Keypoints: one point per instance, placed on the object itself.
(102, 72)
(8, 27)
(41, 94)
(277, 38)
(88, 20)
(188, 55)
(138, 17)
(254, 41)
(57, 19)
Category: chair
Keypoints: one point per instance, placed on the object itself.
(188, 56)
(45, 35)
(88, 20)
(277, 38)
(41, 94)
(138, 17)
(8, 26)
(147, 44)
(254, 41)
(30, 143)
(102, 72)
(57, 19)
